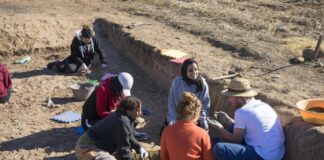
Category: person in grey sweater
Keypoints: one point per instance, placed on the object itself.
(113, 136)
(189, 81)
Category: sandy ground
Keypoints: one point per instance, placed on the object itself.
(216, 31)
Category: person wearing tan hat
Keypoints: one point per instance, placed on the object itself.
(256, 125)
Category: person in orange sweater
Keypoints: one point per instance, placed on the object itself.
(185, 140)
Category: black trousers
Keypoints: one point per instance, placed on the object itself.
(6, 98)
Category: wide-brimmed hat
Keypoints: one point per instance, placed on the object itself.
(239, 87)
(126, 80)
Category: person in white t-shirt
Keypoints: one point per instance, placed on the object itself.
(257, 131)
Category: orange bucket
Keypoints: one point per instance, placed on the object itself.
(312, 110)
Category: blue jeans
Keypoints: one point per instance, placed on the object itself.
(232, 151)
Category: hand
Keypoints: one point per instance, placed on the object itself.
(103, 65)
(224, 119)
(83, 68)
(143, 153)
(215, 124)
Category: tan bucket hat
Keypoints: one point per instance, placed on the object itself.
(239, 87)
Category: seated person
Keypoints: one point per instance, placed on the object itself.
(106, 98)
(189, 81)
(255, 122)
(5, 84)
(112, 137)
(184, 140)
(83, 49)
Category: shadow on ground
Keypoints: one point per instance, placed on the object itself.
(54, 140)
(39, 72)
(63, 100)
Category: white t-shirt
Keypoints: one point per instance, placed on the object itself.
(263, 129)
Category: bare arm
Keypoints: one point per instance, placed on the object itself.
(236, 137)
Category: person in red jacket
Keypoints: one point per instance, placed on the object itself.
(184, 140)
(5, 84)
(106, 98)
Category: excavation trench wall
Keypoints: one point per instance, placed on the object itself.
(303, 140)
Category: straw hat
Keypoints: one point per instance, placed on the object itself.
(239, 87)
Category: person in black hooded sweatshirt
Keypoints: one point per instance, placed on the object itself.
(189, 81)
(84, 46)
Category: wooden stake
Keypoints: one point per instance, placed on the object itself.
(318, 46)
(226, 77)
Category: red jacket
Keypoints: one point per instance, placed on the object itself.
(106, 100)
(5, 81)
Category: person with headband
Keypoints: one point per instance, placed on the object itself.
(184, 140)
(83, 49)
(189, 81)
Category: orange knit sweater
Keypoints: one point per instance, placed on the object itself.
(185, 141)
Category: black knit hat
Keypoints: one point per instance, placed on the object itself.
(86, 32)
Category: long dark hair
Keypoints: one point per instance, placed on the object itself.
(184, 68)
(116, 87)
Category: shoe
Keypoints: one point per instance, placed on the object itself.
(140, 136)
(51, 65)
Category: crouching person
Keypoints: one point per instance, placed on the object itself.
(84, 46)
(112, 137)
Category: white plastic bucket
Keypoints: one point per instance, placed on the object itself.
(82, 91)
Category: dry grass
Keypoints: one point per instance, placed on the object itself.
(298, 44)
(259, 26)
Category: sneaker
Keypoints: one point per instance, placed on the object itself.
(51, 65)
(140, 136)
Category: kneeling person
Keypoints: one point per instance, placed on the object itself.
(113, 134)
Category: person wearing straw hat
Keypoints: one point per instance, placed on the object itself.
(257, 131)
(106, 98)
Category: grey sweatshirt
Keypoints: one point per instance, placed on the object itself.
(178, 87)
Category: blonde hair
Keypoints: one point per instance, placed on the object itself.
(188, 107)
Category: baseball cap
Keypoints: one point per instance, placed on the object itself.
(126, 80)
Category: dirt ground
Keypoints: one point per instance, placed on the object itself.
(256, 38)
